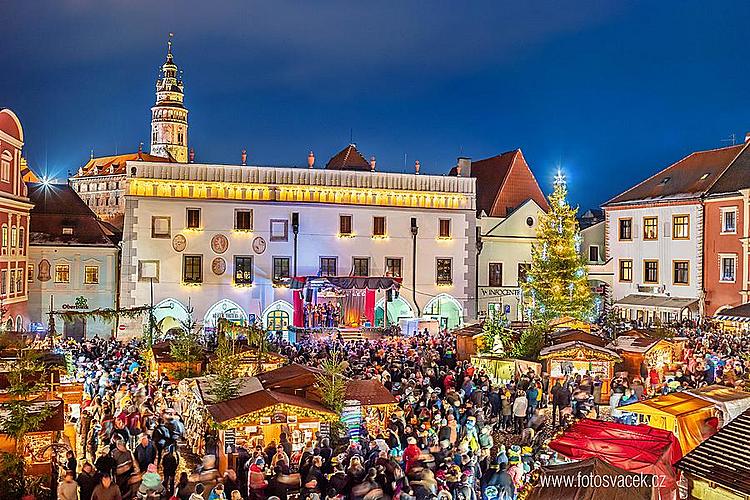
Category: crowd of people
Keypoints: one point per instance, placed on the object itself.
(456, 433)
(323, 315)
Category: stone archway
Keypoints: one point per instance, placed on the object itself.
(226, 309)
(170, 315)
(397, 309)
(446, 309)
(278, 316)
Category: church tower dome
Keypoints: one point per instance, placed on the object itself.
(169, 116)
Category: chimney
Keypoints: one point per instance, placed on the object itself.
(140, 149)
(311, 160)
(463, 166)
(747, 136)
(244, 157)
(416, 167)
(372, 163)
(191, 155)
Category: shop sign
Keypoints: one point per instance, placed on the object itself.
(80, 303)
(325, 429)
(500, 291)
(278, 418)
(229, 438)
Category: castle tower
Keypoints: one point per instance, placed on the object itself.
(168, 116)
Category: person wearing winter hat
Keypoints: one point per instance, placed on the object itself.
(151, 486)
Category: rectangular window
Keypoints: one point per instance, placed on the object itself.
(192, 268)
(21, 238)
(496, 274)
(728, 268)
(626, 229)
(148, 270)
(378, 226)
(161, 227)
(279, 230)
(680, 227)
(681, 272)
(393, 267)
(12, 281)
(62, 273)
(67, 230)
(328, 266)
(13, 237)
(280, 268)
(5, 238)
(626, 270)
(193, 218)
(729, 221)
(19, 281)
(523, 272)
(5, 170)
(345, 225)
(243, 270)
(361, 266)
(650, 228)
(243, 220)
(594, 253)
(444, 228)
(30, 273)
(4, 284)
(444, 271)
(650, 271)
(91, 275)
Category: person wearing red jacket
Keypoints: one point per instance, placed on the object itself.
(411, 453)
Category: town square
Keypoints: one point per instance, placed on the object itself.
(347, 251)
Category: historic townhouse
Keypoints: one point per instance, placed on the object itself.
(655, 238)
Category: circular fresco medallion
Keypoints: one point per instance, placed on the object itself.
(179, 243)
(219, 243)
(219, 266)
(259, 245)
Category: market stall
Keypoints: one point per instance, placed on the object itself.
(160, 360)
(574, 356)
(691, 419)
(569, 323)
(634, 448)
(502, 370)
(562, 482)
(637, 350)
(466, 340)
(375, 404)
(36, 446)
(731, 402)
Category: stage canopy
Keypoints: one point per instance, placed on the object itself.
(634, 448)
(680, 412)
(562, 482)
(346, 282)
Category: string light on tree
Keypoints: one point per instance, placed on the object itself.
(558, 281)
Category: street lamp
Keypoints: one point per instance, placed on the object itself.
(414, 232)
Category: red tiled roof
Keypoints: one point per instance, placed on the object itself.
(348, 158)
(369, 393)
(688, 178)
(101, 165)
(504, 182)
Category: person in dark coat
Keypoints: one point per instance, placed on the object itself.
(169, 462)
(87, 481)
(560, 400)
(145, 453)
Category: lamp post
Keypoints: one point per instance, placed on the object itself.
(480, 245)
(414, 232)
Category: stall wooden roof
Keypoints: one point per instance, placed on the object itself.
(259, 400)
(369, 393)
(293, 376)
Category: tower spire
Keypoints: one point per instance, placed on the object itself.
(169, 116)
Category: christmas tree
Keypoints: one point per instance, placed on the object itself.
(557, 283)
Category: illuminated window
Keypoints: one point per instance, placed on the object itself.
(728, 268)
(13, 237)
(193, 216)
(30, 273)
(328, 266)
(361, 266)
(393, 267)
(91, 275)
(444, 228)
(5, 238)
(650, 228)
(243, 270)
(4, 283)
(5, 160)
(21, 238)
(681, 272)
(243, 220)
(280, 268)
(626, 270)
(626, 229)
(496, 274)
(192, 269)
(444, 271)
(19, 281)
(161, 227)
(378, 226)
(650, 271)
(729, 220)
(12, 281)
(345, 224)
(62, 273)
(680, 227)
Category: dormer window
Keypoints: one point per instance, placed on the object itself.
(705, 176)
(67, 230)
(665, 180)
